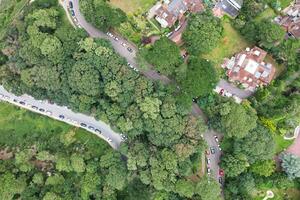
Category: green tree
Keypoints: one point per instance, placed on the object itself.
(185, 188)
(263, 168)
(201, 78)
(270, 33)
(22, 160)
(236, 120)
(207, 188)
(150, 107)
(51, 196)
(203, 33)
(291, 165)
(164, 55)
(234, 165)
(10, 186)
(77, 163)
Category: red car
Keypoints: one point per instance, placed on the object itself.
(221, 172)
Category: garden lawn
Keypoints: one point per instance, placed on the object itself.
(131, 6)
(24, 128)
(268, 13)
(291, 194)
(281, 143)
(230, 44)
(285, 3)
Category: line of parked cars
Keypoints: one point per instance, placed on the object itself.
(61, 117)
(73, 14)
(122, 43)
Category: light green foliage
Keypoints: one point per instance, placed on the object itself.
(263, 168)
(185, 188)
(236, 120)
(45, 156)
(234, 165)
(10, 186)
(56, 179)
(23, 160)
(38, 179)
(208, 189)
(51, 196)
(150, 107)
(77, 163)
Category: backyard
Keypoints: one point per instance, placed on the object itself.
(131, 6)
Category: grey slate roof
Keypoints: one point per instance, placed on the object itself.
(231, 7)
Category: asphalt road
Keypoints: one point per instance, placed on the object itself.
(151, 74)
(70, 117)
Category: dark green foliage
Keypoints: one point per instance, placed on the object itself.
(200, 79)
(101, 14)
(203, 33)
(164, 55)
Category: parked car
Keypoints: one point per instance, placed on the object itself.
(212, 150)
(129, 49)
(22, 102)
(34, 107)
(70, 4)
(207, 152)
(61, 116)
(1, 95)
(221, 172)
(108, 139)
(42, 110)
(208, 161)
(116, 39)
(208, 171)
(216, 138)
(123, 44)
(83, 125)
(15, 100)
(91, 128)
(6, 97)
(219, 147)
(72, 13)
(220, 180)
(48, 112)
(98, 131)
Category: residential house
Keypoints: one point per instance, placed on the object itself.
(249, 69)
(291, 20)
(229, 7)
(172, 10)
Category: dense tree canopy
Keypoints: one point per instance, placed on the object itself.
(164, 55)
(203, 33)
(200, 79)
(101, 14)
(291, 165)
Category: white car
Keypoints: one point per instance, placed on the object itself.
(109, 140)
(216, 138)
(1, 95)
(48, 112)
(123, 44)
(219, 147)
(208, 171)
(208, 161)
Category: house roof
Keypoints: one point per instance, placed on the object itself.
(231, 7)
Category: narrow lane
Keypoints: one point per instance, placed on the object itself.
(54, 111)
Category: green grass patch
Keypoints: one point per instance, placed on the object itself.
(281, 143)
(266, 14)
(230, 44)
(23, 128)
(285, 3)
(132, 6)
(291, 194)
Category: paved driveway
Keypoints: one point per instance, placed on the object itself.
(243, 94)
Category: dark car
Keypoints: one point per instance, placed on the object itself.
(83, 125)
(22, 102)
(15, 100)
(72, 13)
(220, 180)
(42, 110)
(61, 116)
(34, 107)
(70, 4)
(98, 131)
(129, 49)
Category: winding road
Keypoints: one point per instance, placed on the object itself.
(151, 74)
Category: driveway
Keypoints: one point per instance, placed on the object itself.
(243, 94)
(70, 117)
(295, 147)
